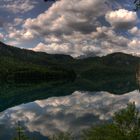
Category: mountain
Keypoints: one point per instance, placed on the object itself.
(25, 55)
(115, 64)
(26, 65)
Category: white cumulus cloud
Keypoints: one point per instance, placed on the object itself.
(122, 18)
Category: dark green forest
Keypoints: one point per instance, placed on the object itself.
(20, 65)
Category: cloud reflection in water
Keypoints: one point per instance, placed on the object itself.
(74, 112)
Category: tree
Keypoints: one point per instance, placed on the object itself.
(20, 133)
(62, 136)
(128, 121)
(125, 126)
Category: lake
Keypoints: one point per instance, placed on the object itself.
(45, 109)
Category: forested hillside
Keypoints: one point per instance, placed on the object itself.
(20, 64)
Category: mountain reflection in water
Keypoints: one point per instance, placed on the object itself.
(59, 114)
(16, 94)
(44, 109)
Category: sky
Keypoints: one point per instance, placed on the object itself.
(72, 27)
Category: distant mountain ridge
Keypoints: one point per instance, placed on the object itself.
(8, 50)
(24, 54)
(16, 62)
(26, 65)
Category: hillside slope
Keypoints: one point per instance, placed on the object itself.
(21, 64)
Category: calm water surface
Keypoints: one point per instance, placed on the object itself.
(49, 108)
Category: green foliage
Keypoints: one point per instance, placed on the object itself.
(15, 70)
(20, 133)
(103, 132)
(128, 122)
(125, 126)
(62, 136)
